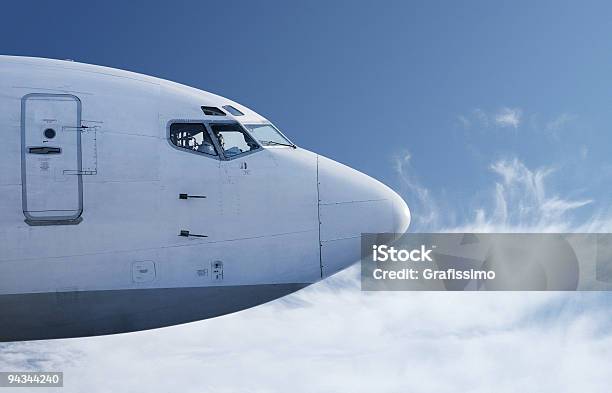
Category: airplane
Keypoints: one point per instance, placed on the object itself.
(128, 202)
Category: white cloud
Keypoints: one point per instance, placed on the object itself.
(331, 337)
(477, 117)
(508, 117)
(344, 340)
(421, 199)
(503, 118)
(523, 204)
(519, 202)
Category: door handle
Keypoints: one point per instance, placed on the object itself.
(187, 196)
(185, 233)
(44, 150)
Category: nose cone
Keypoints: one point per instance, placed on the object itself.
(352, 203)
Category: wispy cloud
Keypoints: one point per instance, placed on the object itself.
(514, 118)
(503, 118)
(522, 203)
(508, 117)
(420, 197)
(519, 201)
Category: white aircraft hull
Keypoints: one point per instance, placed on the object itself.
(91, 219)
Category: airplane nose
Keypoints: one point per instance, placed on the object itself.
(352, 203)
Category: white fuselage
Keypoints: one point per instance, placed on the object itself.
(91, 218)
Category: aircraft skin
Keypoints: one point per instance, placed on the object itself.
(93, 226)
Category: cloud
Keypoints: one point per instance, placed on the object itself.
(330, 337)
(503, 118)
(508, 117)
(522, 203)
(344, 340)
(519, 201)
(419, 197)
(476, 117)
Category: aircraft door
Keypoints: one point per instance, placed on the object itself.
(52, 189)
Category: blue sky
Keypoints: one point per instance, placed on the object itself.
(364, 83)
(485, 116)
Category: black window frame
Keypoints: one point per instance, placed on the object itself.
(246, 131)
(217, 156)
(207, 125)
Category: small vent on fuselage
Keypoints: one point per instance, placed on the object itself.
(212, 111)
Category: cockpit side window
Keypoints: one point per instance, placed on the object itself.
(233, 139)
(193, 137)
(268, 135)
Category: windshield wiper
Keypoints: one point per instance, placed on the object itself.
(268, 143)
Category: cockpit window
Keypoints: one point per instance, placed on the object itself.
(268, 135)
(233, 139)
(192, 136)
(212, 111)
(233, 110)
